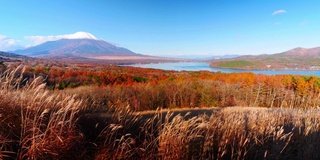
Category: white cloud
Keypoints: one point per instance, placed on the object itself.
(7, 43)
(279, 12)
(42, 39)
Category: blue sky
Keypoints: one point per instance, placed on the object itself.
(168, 27)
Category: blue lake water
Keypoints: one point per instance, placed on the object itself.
(198, 66)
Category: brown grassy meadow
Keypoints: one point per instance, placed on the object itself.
(37, 123)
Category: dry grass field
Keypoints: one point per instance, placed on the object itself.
(36, 123)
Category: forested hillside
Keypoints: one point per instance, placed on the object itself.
(99, 117)
(297, 59)
(145, 89)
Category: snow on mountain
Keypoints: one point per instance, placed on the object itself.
(42, 39)
(79, 45)
(80, 35)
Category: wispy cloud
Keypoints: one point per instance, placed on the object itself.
(303, 23)
(42, 39)
(7, 43)
(35, 40)
(279, 12)
(277, 23)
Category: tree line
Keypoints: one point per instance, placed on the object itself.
(148, 89)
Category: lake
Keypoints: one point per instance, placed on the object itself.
(198, 66)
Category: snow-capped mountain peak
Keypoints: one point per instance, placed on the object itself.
(81, 35)
(78, 35)
(80, 44)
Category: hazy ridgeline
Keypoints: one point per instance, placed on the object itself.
(37, 123)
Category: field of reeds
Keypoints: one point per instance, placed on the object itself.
(37, 123)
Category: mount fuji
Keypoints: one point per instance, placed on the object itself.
(77, 45)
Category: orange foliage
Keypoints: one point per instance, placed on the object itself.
(158, 88)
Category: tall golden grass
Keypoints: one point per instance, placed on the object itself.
(36, 123)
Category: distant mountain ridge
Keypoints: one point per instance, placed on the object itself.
(297, 58)
(11, 57)
(304, 52)
(76, 47)
(207, 57)
(85, 47)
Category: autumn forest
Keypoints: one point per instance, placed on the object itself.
(58, 110)
(149, 89)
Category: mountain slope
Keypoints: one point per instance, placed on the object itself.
(85, 47)
(304, 52)
(11, 57)
(297, 58)
(76, 47)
